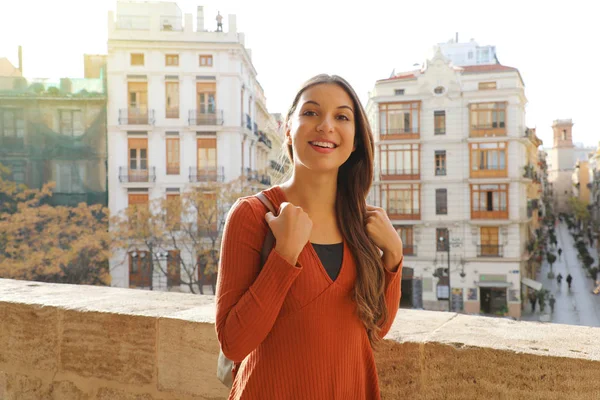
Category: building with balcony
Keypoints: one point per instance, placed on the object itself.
(581, 180)
(185, 109)
(454, 161)
(55, 131)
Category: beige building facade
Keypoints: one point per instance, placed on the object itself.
(456, 171)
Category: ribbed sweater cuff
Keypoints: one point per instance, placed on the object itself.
(390, 276)
(274, 280)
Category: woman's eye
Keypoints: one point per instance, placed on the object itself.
(309, 113)
(343, 117)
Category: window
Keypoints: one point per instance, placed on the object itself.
(137, 58)
(206, 101)
(406, 234)
(399, 92)
(564, 134)
(12, 126)
(140, 269)
(441, 201)
(489, 241)
(206, 60)
(173, 268)
(173, 156)
(488, 159)
(440, 162)
(487, 85)
(69, 176)
(71, 122)
(399, 119)
(172, 60)
(173, 211)
(172, 99)
(439, 90)
(138, 154)
(439, 122)
(401, 201)
(442, 239)
(137, 112)
(488, 119)
(138, 213)
(470, 55)
(489, 201)
(207, 158)
(399, 161)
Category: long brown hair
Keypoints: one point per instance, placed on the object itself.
(353, 183)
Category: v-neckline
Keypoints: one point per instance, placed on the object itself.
(312, 250)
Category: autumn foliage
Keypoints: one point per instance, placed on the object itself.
(51, 244)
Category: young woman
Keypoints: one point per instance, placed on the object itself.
(303, 325)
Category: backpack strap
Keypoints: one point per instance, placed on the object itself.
(269, 239)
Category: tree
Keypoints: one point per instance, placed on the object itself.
(182, 234)
(579, 210)
(51, 244)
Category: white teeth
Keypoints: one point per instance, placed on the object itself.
(324, 144)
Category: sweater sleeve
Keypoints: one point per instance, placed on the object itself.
(392, 297)
(248, 297)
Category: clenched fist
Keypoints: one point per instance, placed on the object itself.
(292, 229)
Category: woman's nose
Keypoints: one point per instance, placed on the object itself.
(326, 125)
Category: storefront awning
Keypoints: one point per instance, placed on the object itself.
(535, 285)
(493, 284)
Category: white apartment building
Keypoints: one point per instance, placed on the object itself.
(451, 155)
(184, 108)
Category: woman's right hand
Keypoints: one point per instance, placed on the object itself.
(291, 228)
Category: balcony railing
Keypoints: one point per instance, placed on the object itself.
(262, 137)
(489, 250)
(255, 129)
(172, 113)
(199, 117)
(248, 122)
(496, 213)
(409, 250)
(400, 133)
(209, 174)
(133, 22)
(173, 169)
(400, 174)
(127, 175)
(136, 116)
(403, 213)
(488, 130)
(439, 131)
(276, 166)
(170, 23)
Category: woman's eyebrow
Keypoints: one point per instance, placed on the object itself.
(318, 105)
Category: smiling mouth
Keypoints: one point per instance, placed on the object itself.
(324, 145)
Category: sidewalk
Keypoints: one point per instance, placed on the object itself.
(578, 306)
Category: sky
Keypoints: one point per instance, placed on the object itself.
(553, 44)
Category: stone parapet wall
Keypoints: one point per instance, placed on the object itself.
(81, 342)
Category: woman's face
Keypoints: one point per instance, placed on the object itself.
(321, 129)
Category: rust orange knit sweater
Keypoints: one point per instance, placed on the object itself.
(296, 333)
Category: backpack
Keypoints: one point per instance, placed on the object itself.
(224, 365)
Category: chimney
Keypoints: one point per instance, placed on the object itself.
(200, 19)
(21, 60)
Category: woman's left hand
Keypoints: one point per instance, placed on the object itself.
(381, 231)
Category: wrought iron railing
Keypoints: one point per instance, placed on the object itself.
(127, 175)
(489, 250)
(207, 174)
(200, 117)
(136, 116)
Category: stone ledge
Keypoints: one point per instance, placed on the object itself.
(85, 342)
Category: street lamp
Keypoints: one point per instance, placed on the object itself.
(442, 240)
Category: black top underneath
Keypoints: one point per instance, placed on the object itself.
(331, 257)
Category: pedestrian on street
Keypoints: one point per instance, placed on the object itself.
(552, 301)
(532, 300)
(559, 278)
(559, 253)
(569, 280)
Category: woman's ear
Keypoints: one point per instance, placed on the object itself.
(288, 137)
